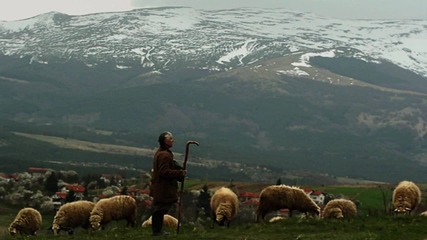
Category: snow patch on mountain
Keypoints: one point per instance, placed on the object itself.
(239, 53)
(304, 60)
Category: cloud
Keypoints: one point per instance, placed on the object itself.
(346, 9)
(20, 9)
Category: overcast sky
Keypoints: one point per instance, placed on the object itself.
(349, 9)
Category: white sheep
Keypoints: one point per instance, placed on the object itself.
(278, 197)
(72, 215)
(406, 197)
(168, 221)
(224, 206)
(113, 208)
(27, 221)
(339, 208)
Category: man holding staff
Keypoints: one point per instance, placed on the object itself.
(166, 173)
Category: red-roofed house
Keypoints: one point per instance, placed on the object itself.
(139, 194)
(77, 189)
(58, 199)
(318, 197)
(249, 199)
(37, 171)
(8, 177)
(251, 203)
(245, 196)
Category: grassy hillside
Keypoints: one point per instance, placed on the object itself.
(371, 223)
(374, 228)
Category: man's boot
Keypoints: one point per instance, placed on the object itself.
(157, 223)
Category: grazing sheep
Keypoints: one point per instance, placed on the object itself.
(168, 221)
(113, 208)
(406, 197)
(423, 214)
(224, 206)
(277, 197)
(72, 215)
(27, 221)
(340, 208)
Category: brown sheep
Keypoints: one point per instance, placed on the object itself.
(224, 206)
(340, 208)
(27, 221)
(72, 215)
(277, 197)
(168, 221)
(406, 197)
(113, 208)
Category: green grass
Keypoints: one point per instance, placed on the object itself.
(372, 228)
(370, 198)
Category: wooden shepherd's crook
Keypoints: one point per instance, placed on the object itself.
(184, 166)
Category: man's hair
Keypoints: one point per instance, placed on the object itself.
(162, 137)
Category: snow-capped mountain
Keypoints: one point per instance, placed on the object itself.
(167, 38)
(238, 81)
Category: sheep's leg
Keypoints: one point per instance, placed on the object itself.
(213, 220)
(130, 222)
(262, 215)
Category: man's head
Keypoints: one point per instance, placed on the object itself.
(166, 139)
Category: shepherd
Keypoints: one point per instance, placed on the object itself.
(166, 173)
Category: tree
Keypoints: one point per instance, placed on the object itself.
(124, 191)
(86, 191)
(51, 184)
(71, 196)
(279, 181)
(113, 181)
(203, 200)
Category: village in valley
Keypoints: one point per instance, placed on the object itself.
(47, 190)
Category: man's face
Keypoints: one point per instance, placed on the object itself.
(169, 140)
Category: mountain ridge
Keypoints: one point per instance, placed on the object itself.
(241, 36)
(288, 90)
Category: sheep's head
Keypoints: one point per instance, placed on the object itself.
(55, 228)
(335, 213)
(13, 230)
(223, 213)
(401, 209)
(95, 221)
(146, 223)
(316, 213)
(220, 219)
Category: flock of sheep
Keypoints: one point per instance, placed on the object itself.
(224, 205)
(81, 213)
